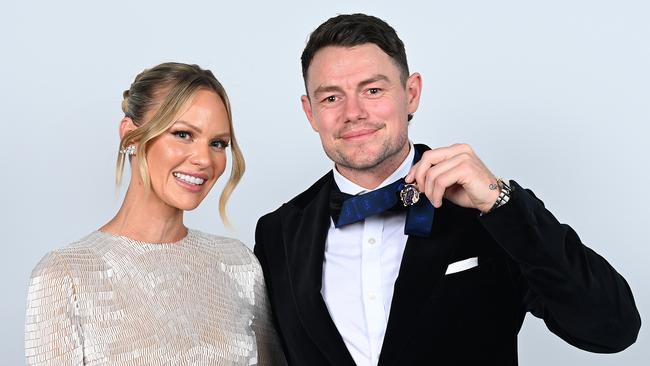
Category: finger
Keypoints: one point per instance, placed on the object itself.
(433, 157)
(429, 159)
(416, 174)
(439, 177)
(421, 166)
(448, 183)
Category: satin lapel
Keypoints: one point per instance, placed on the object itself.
(423, 266)
(305, 233)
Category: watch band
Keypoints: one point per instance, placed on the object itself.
(504, 195)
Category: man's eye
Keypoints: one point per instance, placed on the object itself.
(182, 134)
(330, 99)
(373, 90)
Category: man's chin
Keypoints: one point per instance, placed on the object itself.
(365, 158)
(360, 164)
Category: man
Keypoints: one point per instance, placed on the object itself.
(446, 279)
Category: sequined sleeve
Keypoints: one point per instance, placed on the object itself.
(269, 349)
(52, 333)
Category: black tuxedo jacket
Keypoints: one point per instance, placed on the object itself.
(528, 261)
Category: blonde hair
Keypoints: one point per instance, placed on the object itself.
(169, 86)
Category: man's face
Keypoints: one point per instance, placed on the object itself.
(359, 107)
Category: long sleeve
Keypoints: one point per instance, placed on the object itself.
(52, 331)
(269, 349)
(579, 295)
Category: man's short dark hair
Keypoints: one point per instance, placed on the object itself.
(348, 30)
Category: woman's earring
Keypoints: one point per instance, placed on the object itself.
(128, 151)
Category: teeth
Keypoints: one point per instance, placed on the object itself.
(189, 179)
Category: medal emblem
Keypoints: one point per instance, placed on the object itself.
(409, 194)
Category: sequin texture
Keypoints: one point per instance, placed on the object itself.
(110, 300)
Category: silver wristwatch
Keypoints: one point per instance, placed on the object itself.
(504, 195)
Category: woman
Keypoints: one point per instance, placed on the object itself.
(143, 289)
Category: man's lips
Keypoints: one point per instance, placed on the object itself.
(357, 133)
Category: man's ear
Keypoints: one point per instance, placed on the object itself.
(306, 107)
(413, 92)
(126, 126)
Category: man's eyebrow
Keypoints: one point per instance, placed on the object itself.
(326, 89)
(374, 79)
(333, 88)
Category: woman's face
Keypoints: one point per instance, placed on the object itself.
(186, 160)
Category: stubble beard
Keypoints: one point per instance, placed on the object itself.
(388, 152)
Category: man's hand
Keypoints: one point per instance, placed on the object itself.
(457, 174)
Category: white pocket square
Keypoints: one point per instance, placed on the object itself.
(463, 265)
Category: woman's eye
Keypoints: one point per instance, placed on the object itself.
(219, 144)
(182, 134)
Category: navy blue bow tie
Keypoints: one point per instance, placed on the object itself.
(346, 209)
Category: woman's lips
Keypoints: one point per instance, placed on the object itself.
(192, 183)
(189, 187)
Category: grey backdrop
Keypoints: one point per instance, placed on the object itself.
(555, 94)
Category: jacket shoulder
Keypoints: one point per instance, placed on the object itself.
(303, 199)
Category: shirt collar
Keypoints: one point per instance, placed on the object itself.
(347, 186)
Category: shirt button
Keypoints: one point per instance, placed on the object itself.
(372, 296)
(371, 241)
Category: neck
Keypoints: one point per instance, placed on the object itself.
(371, 178)
(144, 217)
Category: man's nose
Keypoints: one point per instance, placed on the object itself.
(354, 109)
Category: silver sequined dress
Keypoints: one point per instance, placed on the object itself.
(110, 300)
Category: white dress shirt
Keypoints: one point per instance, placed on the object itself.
(361, 264)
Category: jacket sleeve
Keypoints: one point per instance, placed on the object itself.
(52, 332)
(263, 238)
(580, 296)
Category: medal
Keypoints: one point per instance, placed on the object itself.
(409, 194)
